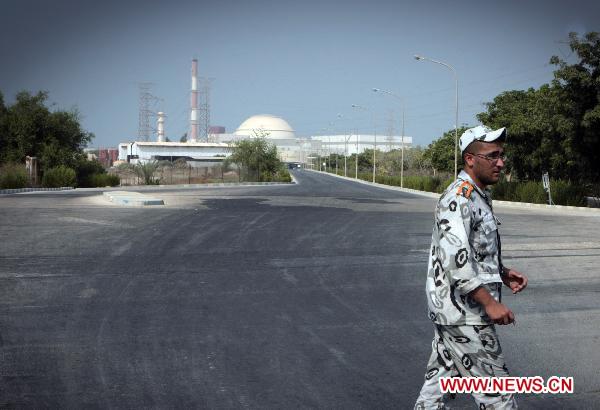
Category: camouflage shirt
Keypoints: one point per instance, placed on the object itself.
(465, 254)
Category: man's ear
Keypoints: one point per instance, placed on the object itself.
(468, 160)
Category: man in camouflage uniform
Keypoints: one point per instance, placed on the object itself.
(465, 276)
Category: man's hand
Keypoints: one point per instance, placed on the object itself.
(496, 311)
(516, 281)
(499, 313)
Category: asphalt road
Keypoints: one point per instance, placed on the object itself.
(298, 296)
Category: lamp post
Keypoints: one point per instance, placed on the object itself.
(332, 132)
(346, 154)
(346, 139)
(448, 66)
(356, 162)
(328, 153)
(360, 107)
(328, 150)
(402, 146)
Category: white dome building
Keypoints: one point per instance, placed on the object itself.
(275, 127)
(276, 130)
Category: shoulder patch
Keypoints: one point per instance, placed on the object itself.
(465, 189)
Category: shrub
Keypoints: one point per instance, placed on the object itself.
(283, 175)
(412, 182)
(566, 193)
(145, 171)
(389, 180)
(532, 192)
(422, 183)
(430, 184)
(526, 191)
(504, 190)
(444, 184)
(563, 192)
(418, 182)
(102, 180)
(365, 176)
(13, 176)
(60, 176)
(85, 170)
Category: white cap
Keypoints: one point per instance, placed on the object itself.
(480, 133)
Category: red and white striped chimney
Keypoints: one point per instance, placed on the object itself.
(193, 137)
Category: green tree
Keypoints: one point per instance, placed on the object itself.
(555, 128)
(29, 128)
(440, 153)
(365, 160)
(256, 158)
(578, 88)
(534, 131)
(388, 163)
(416, 161)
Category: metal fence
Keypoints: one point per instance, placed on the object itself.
(173, 175)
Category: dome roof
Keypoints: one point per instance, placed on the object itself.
(277, 128)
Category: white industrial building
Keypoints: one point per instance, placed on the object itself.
(196, 153)
(349, 144)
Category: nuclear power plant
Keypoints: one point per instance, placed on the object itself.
(211, 146)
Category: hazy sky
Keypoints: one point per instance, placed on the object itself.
(306, 61)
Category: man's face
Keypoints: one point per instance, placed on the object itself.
(487, 159)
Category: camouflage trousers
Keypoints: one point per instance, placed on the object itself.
(468, 351)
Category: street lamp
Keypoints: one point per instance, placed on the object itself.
(332, 132)
(339, 117)
(346, 139)
(356, 159)
(360, 107)
(403, 107)
(448, 66)
(324, 131)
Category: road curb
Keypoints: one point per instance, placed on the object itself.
(20, 190)
(211, 185)
(511, 204)
(132, 198)
(147, 187)
(135, 188)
